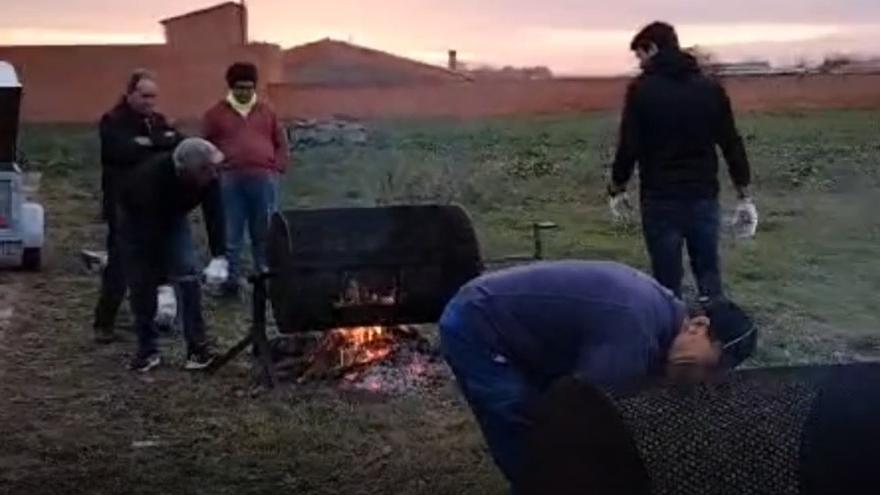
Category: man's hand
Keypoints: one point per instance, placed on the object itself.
(143, 141)
(217, 271)
(745, 218)
(619, 204)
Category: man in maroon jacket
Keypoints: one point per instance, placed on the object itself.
(249, 134)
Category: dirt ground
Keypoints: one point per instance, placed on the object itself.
(74, 420)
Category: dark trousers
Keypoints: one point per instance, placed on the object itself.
(669, 225)
(144, 278)
(113, 285)
(500, 394)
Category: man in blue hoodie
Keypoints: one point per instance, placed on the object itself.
(510, 334)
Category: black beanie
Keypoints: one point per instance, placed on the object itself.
(733, 329)
(241, 71)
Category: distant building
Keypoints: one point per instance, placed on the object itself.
(740, 68)
(508, 73)
(847, 65)
(224, 25)
(75, 83)
(336, 63)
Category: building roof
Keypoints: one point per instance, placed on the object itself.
(325, 60)
(207, 10)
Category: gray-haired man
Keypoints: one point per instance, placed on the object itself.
(157, 245)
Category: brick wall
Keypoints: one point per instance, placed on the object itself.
(221, 26)
(488, 99)
(78, 83)
(464, 100)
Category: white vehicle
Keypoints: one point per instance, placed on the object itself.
(21, 221)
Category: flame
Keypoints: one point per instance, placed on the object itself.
(362, 345)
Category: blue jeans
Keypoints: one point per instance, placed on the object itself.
(144, 279)
(668, 225)
(249, 200)
(499, 394)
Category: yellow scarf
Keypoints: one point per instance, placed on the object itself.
(242, 108)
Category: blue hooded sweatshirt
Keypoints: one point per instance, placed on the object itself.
(603, 322)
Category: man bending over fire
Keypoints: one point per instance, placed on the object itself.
(510, 334)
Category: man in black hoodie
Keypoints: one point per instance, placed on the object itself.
(130, 132)
(673, 120)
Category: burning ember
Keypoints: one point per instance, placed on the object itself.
(372, 358)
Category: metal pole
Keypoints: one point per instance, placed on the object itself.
(537, 232)
(258, 330)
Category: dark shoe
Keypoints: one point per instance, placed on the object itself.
(144, 363)
(105, 335)
(199, 360)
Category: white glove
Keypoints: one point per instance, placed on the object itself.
(217, 271)
(621, 208)
(166, 306)
(94, 261)
(745, 219)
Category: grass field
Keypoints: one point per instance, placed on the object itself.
(70, 412)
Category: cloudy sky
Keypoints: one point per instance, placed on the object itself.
(570, 36)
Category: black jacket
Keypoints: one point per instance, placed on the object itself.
(120, 153)
(152, 196)
(673, 119)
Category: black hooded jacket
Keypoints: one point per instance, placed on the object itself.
(120, 153)
(673, 119)
(152, 197)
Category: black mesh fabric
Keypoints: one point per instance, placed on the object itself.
(801, 431)
(417, 255)
(740, 437)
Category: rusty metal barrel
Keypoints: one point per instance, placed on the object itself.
(782, 431)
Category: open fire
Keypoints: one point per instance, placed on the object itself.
(387, 358)
(356, 346)
(374, 358)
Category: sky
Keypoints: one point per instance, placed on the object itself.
(572, 37)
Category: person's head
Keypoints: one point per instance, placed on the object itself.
(652, 39)
(141, 91)
(196, 161)
(723, 337)
(241, 77)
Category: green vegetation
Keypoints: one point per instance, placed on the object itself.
(71, 412)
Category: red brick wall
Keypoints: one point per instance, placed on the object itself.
(78, 83)
(487, 99)
(466, 100)
(804, 92)
(219, 27)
